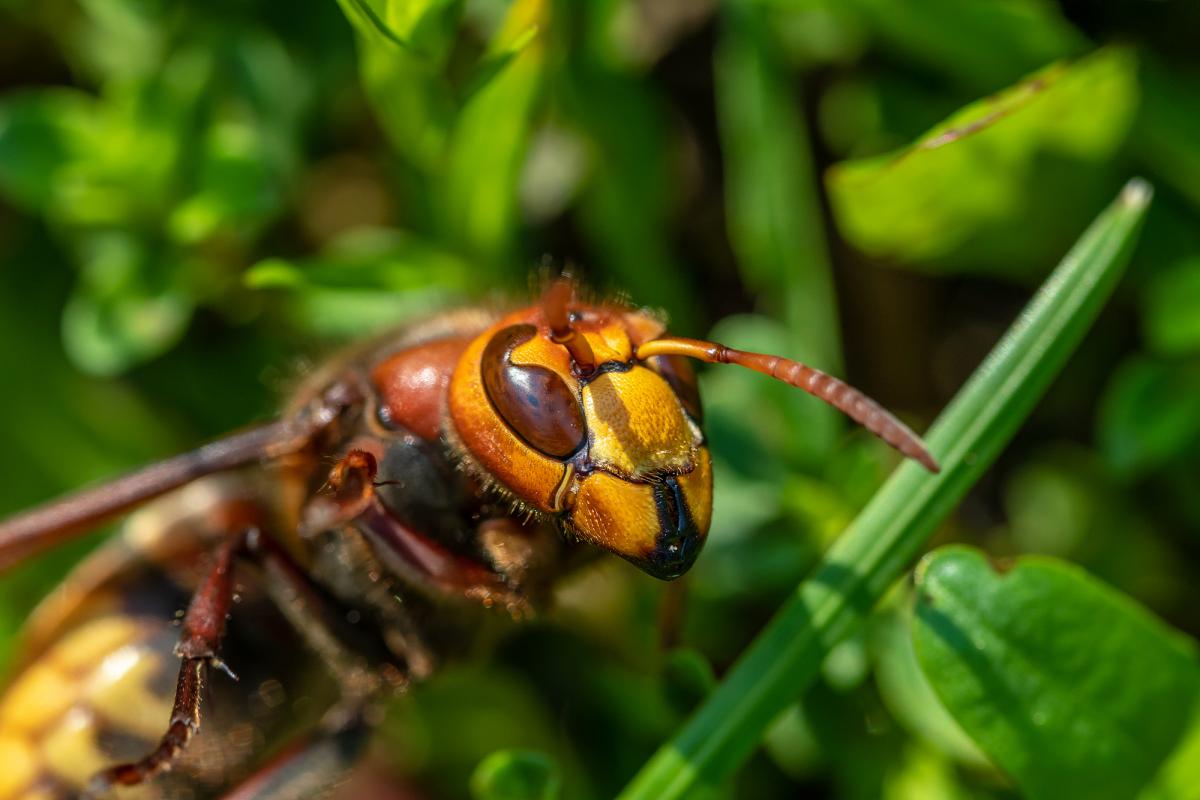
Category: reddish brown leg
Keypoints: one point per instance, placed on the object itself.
(203, 628)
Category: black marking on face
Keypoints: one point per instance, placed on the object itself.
(679, 539)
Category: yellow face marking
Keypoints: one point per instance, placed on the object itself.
(617, 515)
(18, 765)
(117, 691)
(621, 516)
(40, 695)
(636, 424)
(70, 749)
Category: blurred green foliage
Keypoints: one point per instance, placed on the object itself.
(198, 200)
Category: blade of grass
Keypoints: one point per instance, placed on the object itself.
(891, 530)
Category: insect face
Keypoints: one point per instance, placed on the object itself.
(612, 446)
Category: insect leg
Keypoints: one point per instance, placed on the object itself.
(203, 628)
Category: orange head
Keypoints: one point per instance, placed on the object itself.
(588, 413)
(571, 423)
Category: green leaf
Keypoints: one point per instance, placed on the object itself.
(516, 775)
(1018, 161)
(1148, 416)
(403, 47)
(1071, 687)
(857, 570)
(424, 27)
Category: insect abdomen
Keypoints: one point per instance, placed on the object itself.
(98, 696)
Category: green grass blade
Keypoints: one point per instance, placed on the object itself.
(891, 530)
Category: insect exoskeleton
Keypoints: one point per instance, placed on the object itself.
(462, 464)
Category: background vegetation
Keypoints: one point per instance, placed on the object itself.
(198, 199)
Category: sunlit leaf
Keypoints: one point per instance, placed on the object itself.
(999, 185)
(1073, 689)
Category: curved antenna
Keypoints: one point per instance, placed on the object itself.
(556, 302)
(31, 532)
(27, 534)
(842, 396)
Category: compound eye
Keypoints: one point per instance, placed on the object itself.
(534, 401)
(678, 373)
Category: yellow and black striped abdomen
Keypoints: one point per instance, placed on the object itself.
(98, 675)
(100, 695)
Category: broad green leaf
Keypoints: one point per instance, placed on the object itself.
(1148, 415)
(774, 214)
(516, 775)
(857, 570)
(999, 185)
(1073, 689)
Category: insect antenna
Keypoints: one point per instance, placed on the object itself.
(27, 534)
(556, 302)
(845, 398)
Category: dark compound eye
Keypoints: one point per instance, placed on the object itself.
(534, 401)
(678, 373)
